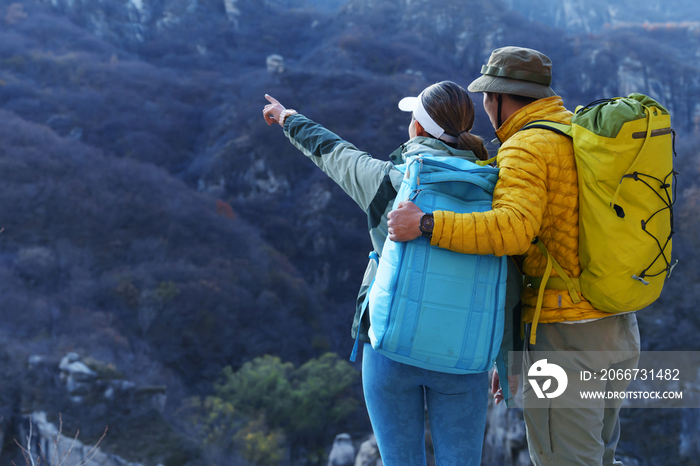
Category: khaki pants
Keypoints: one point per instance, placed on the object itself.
(566, 431)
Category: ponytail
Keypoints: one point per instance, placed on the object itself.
(449, 105)
(472, 142)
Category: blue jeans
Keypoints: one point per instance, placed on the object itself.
(395, 394)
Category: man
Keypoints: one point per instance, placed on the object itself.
(537, 197)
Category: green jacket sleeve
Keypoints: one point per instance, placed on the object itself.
(355, 171)
(369, 182)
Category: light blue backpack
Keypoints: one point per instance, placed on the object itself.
(431, 307)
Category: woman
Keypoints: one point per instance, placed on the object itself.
(396, 393)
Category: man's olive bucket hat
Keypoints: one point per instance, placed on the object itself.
(516, 70)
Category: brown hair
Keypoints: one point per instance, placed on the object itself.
(521, 100)
(449, 105)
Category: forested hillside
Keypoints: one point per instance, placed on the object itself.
(156, 226)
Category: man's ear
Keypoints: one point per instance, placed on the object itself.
(492, 95)
(419, 129)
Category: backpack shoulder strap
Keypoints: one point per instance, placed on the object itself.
(560, 128)
(562, 283)
(485, 163)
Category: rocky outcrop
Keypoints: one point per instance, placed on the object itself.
(466, 36)
(46, 444)
(134, 22)
(571, 15)
(232, 11)
(79, 384)
(585, 16)
(342, 452)
(368, 455)
(87, 380)
(127, 20)
(275, 64)
(505, 443)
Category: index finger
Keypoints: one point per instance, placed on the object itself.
(271, 99)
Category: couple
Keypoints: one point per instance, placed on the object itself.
(536, 196)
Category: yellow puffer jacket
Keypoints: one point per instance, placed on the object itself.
(536, 195)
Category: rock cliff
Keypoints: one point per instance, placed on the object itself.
(46, 443)
(590, 16)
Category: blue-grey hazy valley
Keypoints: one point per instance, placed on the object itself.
(171, 267)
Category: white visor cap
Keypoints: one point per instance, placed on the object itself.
(415, 105)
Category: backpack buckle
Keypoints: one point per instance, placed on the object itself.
(640, 279)
(670, 269)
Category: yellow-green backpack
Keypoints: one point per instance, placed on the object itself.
(624, 159)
